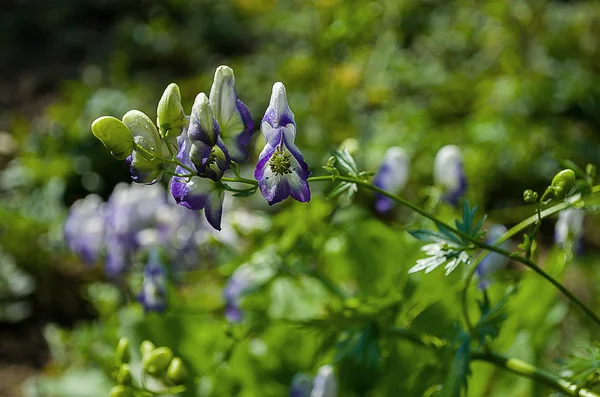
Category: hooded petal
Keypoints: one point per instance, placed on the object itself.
(448, 173)
(203, 124)
(191, 192)
(143, 170)
(392, 176)
(278, 114)
(214, 208)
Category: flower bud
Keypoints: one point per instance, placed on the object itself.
(529, 196)
(122, 353)
(121, 391)
(176, 372)
(146, 348)
(170, 114)
(124, 375)
(157, 361)
(114, 135)
(203, 124)
(562, 183)
(449, 174)
(144, 131)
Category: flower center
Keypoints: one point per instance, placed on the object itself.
(280, 163)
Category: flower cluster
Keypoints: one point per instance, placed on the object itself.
(492, 262)
(196, 151)
(134, 218)
(324, 384)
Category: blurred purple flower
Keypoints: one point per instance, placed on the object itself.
(85, 228)
(153, 295)
(449, 173)
(492, 262)
(301, 386)
(569, 227)
(392, 176)
(281, 170)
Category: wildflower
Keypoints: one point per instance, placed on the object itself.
(493, 261)
(85, 226)
(301, 386)
(143, 169)
(449, 174)
(170, 115)
(238, 284)
(281, 170)
(207, 151)
(325, 383)
(391, 176)
(194, 192)
(236, 124)
(154, 291)
(569, 227)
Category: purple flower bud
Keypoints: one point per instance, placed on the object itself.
(236, 124)
(325, 383)
(569, 227)
(281, 170)
(392, 176)
(85, 227)
(449, 174)
(492, 262)
(153, 295)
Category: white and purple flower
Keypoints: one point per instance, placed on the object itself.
(392, 176)
(325, 383)
(301, 385)
(492, 262)
(281, 170)
(153, 295)
(569, 227)
(449, 173)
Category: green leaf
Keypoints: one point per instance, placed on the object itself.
(430, 236)
(345, 163)
(491, 319)
(456, 380)
(114, 135)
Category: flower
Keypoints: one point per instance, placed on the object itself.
(145, 135)
(391, 176)
(301, 386)
(325, 383)
(207, 151)
(194, 192)
(281, 170)
(437, 255)
(153, 295)
(569, 227)
(235, 122)
(493, 261)
(449, 174)
(85, 226)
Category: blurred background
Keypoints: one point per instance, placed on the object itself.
(515, 84)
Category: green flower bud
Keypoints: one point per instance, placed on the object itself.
(529, 196)
(114, 135)
(562, 183)
(122, 354)
(146, 348)
(176, 372)
(124, 375)
(157, 361)
(144, 131)
(121, 391)
(170, 114)
(590, 171)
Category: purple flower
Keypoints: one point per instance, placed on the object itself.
(237, 285)
(85, 227)
(142, 169)
(153, 295)
(236, 124)
(392, 176)
(281, 170)
(569, 227)
(207, 151)
(301, 386)
(325, 383)
(449, 174)
(194, 192)
(492, 262)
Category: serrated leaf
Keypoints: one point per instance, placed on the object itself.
(491, 320)
(456, 380)
(430, 236)
(345, 163)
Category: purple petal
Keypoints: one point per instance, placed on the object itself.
(214, 208)
(233, 313)
(278, 114)
(192, 193)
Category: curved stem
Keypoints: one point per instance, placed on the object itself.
(241, 180)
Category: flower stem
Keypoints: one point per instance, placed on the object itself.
(241, 180)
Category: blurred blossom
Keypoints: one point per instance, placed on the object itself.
(449, 174)
(569, 227)
(85, 227)
(392, 176)
(325, 383)
(281, 171)
(493, 261)
(301, 386)
(153, 294)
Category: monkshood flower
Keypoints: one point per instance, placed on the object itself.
(392, 176)
(153, 295)
(194, 192)
(449, 174)
(301, 385)
(235, 122)
(281, 170)
(325, 383)
(569, 227)
(493, 262)
(143, 169)
(85, 227)
(207, 151)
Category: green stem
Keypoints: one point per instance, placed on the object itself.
(150, 156)
(241, 180)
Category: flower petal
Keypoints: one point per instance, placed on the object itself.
(214, 208)
(192, 193)
(203, 124)
(278, 113)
